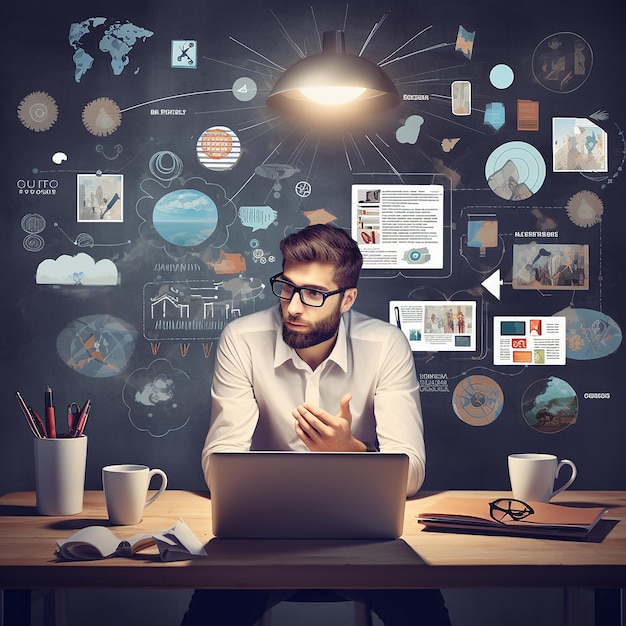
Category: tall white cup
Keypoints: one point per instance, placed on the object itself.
(126, 489)
(60, 475)
(532, 476)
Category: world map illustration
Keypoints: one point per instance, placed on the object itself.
(117, 39)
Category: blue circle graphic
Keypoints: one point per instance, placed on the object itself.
(501, 76)
(515, 170)
(185, 217)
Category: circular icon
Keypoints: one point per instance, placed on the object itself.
(244, 89)
(501, 76)
(303, 189)
(218, 148)
(84, 240)
(102, 117)
(477, 400)
(562, 62)
(550, 405)
(38, 111)
(515, 170)
(585, 209)
(97, 346)
(166, 165)
(33, 223)
(33, 243)
(185, 217)
(216, 144)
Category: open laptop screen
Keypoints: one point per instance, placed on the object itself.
(348, 495)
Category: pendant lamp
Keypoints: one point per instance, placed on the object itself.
(333, 85)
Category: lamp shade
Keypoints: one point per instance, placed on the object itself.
(333, 84)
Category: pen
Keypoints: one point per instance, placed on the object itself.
(79, 425)
(50, 423)
(27, 414)
(34, 421)
(38, 422)
(73, 411)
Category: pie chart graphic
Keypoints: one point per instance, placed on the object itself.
(478, 400)
(515, 170)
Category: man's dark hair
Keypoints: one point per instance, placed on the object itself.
(325, 244)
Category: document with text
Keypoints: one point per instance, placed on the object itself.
(399, 226)
(529, 340)
(437, 326)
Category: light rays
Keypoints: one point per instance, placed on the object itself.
(305, 152)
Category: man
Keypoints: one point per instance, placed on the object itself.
(312, 374)
(568, 274)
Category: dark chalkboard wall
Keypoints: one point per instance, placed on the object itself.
(114, 100)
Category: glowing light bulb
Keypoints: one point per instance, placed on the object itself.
(332, 95)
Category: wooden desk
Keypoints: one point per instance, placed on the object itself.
(420, 559)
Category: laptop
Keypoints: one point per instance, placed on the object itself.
(308, 495)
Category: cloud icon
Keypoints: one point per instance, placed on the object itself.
(411, 129)
(160, 398)
(80, 269)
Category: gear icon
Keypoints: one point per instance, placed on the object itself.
(38, 111)
(102, 117)
(585, 209)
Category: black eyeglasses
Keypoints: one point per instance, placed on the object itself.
(504, 508)
(309, 296)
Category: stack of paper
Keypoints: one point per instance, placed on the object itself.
(473, 515)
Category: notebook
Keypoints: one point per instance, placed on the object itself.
(308, 495)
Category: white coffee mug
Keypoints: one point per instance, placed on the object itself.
(125, 491)
(532, 476)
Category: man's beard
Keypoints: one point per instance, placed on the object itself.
(322, 330)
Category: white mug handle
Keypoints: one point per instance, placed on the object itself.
(571, 478)
(161, 473)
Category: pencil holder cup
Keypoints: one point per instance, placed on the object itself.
(60, 474)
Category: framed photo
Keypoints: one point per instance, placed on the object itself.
(550, 266)
(99, 198)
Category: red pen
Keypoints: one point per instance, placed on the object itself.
(73, 411)
(79, 425)
(38, 422)
(50, 421)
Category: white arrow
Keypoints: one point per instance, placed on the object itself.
(492, 284)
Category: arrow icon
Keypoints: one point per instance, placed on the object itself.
(492, 284)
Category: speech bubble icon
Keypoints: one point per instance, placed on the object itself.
(59, 157)
(257, 217)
